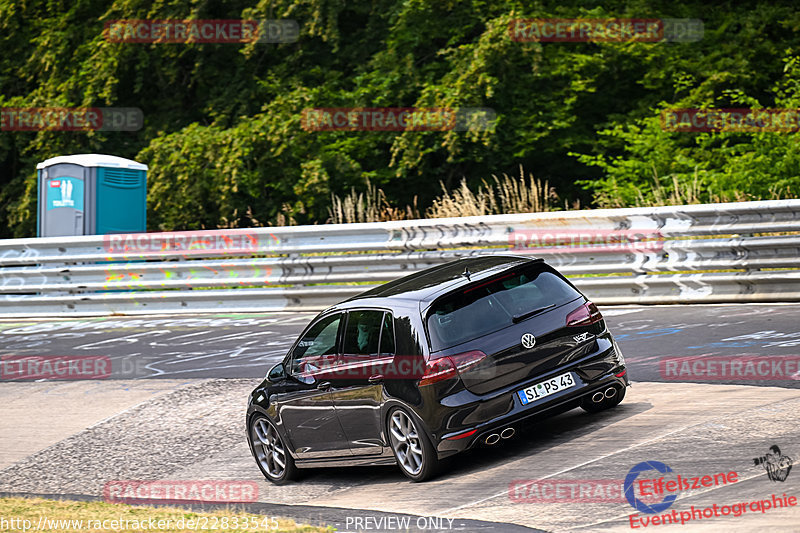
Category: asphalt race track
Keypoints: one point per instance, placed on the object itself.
(172, 409)
(244, 346)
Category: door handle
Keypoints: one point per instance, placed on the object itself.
(377, 378)
(324, 385)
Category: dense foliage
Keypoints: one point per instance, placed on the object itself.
(222, 130)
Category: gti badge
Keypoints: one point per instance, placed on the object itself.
(528, 340)
(582, 337)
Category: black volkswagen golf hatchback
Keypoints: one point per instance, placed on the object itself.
(429, 365)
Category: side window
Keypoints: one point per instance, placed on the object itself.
(319, 340)
(387, 335)
(362, 333)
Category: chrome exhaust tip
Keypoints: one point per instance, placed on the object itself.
(492, 439)
(610, 392)
(597, 397)
(507, 433)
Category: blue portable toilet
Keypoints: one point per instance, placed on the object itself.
(91, 194)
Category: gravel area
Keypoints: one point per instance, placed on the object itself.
(147, 442)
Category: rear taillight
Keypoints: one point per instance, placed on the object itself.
(584, 315)
(438, 370)
(449, 366)
(464, 361)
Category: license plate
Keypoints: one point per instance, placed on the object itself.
(546, 388)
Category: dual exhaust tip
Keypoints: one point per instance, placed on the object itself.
(508, 432)
(598, 397)
(494, 438)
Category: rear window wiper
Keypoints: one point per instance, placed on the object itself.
(523, 316)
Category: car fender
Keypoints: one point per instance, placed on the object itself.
(396, 402)
(256, 409)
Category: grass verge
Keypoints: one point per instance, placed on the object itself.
(41, 515)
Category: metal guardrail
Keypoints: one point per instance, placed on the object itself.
(642, 255)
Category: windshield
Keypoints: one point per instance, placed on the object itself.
(487, 307)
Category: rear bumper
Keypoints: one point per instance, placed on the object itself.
(546, 410)
(596, 373)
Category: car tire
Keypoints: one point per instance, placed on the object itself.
(271, 453)
(591, 407)
(413, 451)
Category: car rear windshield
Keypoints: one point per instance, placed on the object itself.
(486, 307)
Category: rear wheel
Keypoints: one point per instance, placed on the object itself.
(271, 453)
(414, 453)
(590, 406)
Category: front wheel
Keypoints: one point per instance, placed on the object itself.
(271, 453)
(413, 451)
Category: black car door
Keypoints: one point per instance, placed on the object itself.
(368, 347)
(305, 406)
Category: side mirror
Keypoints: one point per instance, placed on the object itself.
(277, 373)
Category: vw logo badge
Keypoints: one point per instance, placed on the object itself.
(528, 340)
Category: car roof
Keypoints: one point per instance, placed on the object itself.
(428, 284)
